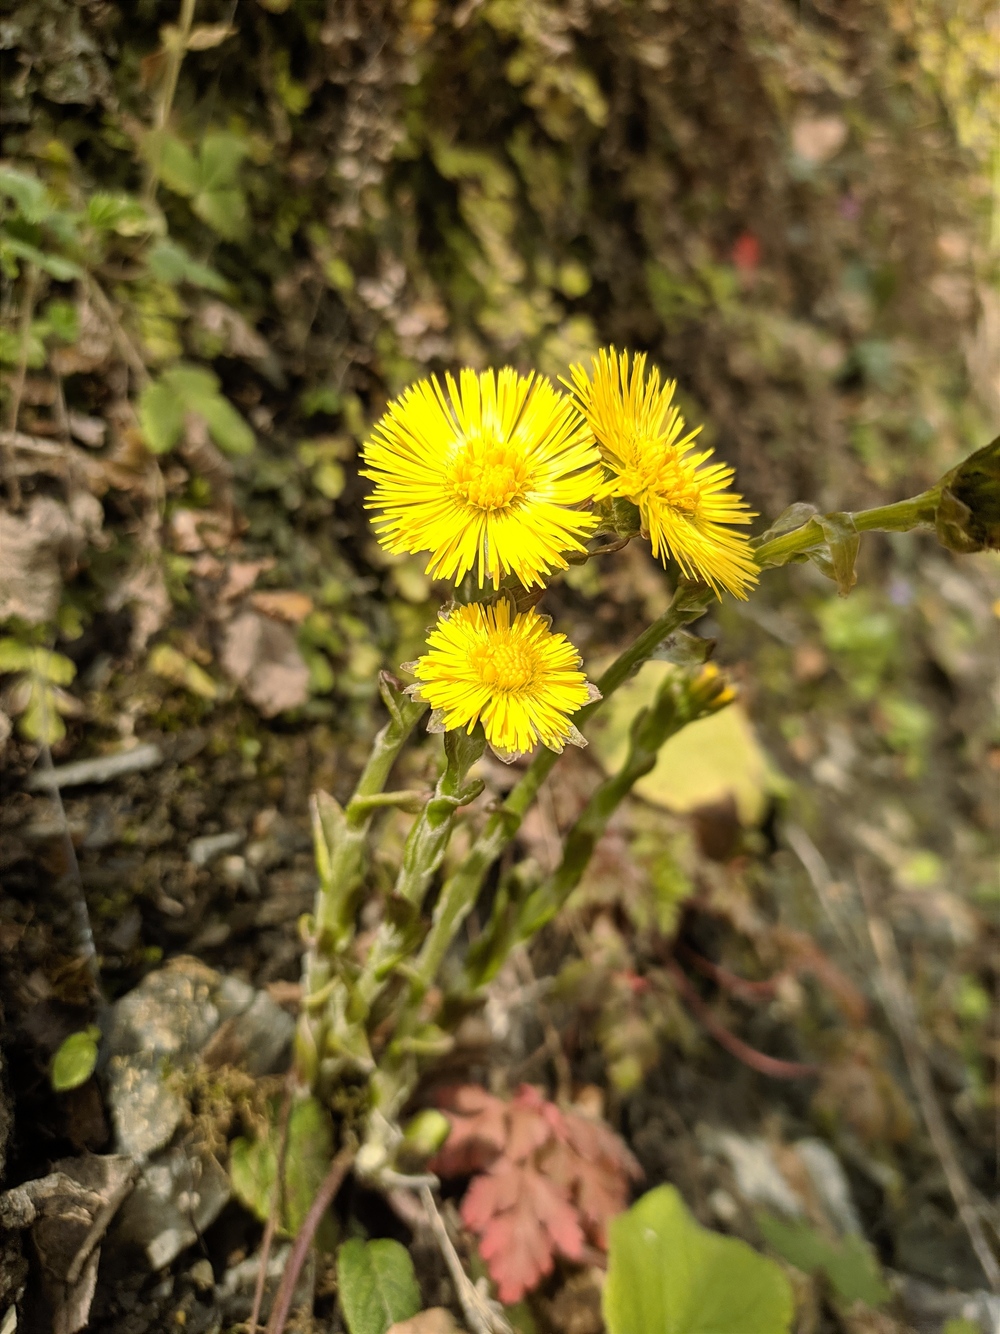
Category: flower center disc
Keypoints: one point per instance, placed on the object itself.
(506, 667)
(488, 475)
(663, 474)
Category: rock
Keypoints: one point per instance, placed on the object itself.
(758, 1177)
(180, 1193)
(203, 850)
(260, 654)
(830, 1183)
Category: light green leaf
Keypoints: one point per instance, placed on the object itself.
(377, 1285)
(225, 211)
(119, 213)
(170, 263)
(178, 166)
(253, 1166)
(53, 667)
(851, 1268)
(221, 155)
(61, 320)
(10, 349)
(15, 656)
(669, 1275)
(40, 720)
(74, 1062)
(63, 270)
(228, 429)
(28, 193)
(161, 416)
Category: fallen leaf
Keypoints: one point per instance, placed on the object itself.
(285, 604)
(435, 1320)
(37, 546)
(261, 656)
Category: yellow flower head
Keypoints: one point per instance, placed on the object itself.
(486, 476)
(683, 500)
(510, 672)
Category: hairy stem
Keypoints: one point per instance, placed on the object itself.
(897, 518)
(175, 49)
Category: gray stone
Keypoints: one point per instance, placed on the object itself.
(181, 1192)
(830, 1182)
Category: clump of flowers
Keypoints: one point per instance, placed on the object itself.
(503, 477)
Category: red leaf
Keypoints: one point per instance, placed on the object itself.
(552, 1179)
(522, 1219)
(478, 1131)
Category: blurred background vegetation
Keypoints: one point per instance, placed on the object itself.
(232, 230)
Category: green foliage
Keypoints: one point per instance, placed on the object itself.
(187, 389)
(669, 1275)
(849, 1266)
(74, 1061)
(208, 177)
(35, 698)
(377, 1285)
(253, 1165)
(865, 636)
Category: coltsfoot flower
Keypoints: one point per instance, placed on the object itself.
(684, 501)
(488, 476)
(507, 671)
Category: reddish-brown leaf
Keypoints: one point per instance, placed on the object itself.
(478, 1131)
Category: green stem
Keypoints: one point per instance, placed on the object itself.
(175, 50)
(896, 518)
(340, 837)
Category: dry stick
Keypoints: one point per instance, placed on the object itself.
(276, 1208)
(899, 1008)
(285, 1295)
(479, 1313)
(17, 389)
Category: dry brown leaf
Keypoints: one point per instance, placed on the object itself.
(435, 1320)
(261, 656)
(37, 546)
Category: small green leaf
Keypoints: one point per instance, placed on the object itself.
(225, 211)
(63, 270)
(28, 193)
(377, 1285)
(669, 1275)
(227, 428)
(119, 213)
(253, 1165)
(40, 720)
(837, 557)
(178, 166)
(74, 1062)
(53, 667)
(15, 656)
(170, 263)
(61, 320)
(161, 416)
(850, 1267)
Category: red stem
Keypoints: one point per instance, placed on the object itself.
(756, 1060)
(731, 982)
(339, 1168)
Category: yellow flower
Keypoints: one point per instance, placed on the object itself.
(486, 476)
(510, 672)
(683, 500)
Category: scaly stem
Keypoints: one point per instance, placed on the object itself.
(897, 518)
(340, 837)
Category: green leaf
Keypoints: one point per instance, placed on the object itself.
(161, 416)
(253, 1166)
(227, 428)
(377, 1285)
(837, 556)
(63, 270)
(28, 193)
(15, 656)
(10, 349)
(225, 211)
(850, 1267)
(119, 213)
(61, 320)
(74, 1062)
(221, 155)
(170, 263)
(40, 720)
(669, 1275)
(178, 166)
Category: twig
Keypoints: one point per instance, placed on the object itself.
(900, 1011)
(285, 1295)
(771, 1066)
(480, 1314)
(277, 1203)
(98, 770)
(165, 102)
(17, 388)
(126, 348)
